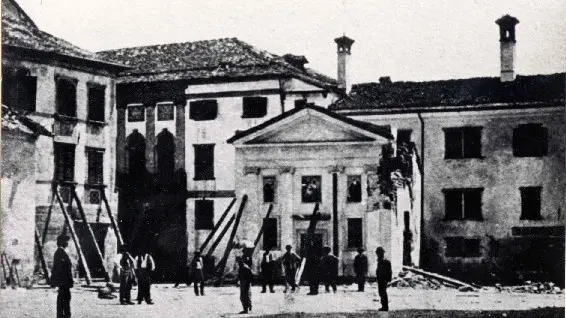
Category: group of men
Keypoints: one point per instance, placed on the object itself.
(135, 271)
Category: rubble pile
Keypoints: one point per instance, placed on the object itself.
(531, 288)
(407, 279)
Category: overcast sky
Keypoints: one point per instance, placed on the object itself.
(408, 40)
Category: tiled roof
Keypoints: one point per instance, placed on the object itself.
(408, 96)
(219, 58)
(18, 30)
(14, 121)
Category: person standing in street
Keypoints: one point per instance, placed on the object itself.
(267, 270)
(329, 269)
(62, 277)
(313, 269)
(144, 265)
(197, 270)
(291, 262)
(245, 277)
(127, 276)
(361, 269)
(384, 276)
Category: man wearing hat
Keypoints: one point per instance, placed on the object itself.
(361, 268)
(267, 270)
(291, 262)
(245, 277)
(384, 276)
(62, 277)
(329, 269)
(127, 276)
(197, 270)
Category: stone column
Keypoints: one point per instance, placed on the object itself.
(180, 137)
(285, 196)
(150, 137)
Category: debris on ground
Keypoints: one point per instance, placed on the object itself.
(416, 278)
(531, 288)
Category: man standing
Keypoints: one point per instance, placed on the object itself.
(291, 262)
(127, 276)
(329, 269)
(197, 270)
(384, 276)
(245, 277)
(313, 266)
(145, 265)
(361, 269)
(267, 270)
(62, 277)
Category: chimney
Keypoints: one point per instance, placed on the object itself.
(507, 43)
(344, 45)
(297, 61)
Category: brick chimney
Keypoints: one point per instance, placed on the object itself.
(344, 44)
(507, 43)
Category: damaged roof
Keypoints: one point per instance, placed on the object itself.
(16, 122)
(208, 59)
(19, 31)
(389, 96)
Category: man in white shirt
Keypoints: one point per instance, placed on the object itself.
(144, 266)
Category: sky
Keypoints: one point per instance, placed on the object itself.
(408, 40)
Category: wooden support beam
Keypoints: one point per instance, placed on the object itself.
(48, 218)
(90, 232)
(439, 277)
(112, 220)
(42, 260)
(217, 226)
(260, 234)
(335, 227)
(222, 265)
(219, 238)
(310, 234)
(69, 221)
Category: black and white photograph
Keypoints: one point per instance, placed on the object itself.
(283, 158)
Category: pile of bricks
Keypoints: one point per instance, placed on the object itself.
(407, 279)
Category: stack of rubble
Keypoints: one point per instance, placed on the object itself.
(531, 287)
(408, 279)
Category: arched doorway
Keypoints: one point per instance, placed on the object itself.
(165, 153)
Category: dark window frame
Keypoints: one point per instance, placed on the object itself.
(96, 96)
(203, 110)
(463, 142)
(65, 160)
(95, 165)
(530, 140)
(457, 198)
(161, 113)
(254, 106)
(355, 237)
(318, 197)
(464, 247)
(203, 162)
(265, 195)
(531, 210)
(202, 221)
(132, 118)
(19, 90)
(66, 96)
(270, 233)
(349, 198)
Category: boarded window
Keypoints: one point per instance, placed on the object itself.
(165, 112)
(530, 140)
(136, 113)
(300, 103)
(355, 233)
(404, 138)
(96, 103)
(254, 107)
(269, 189)
(19, 90)
(204, 162)
(204, 214)
(530, 203)
(462, 247)
(64, 162)
(462, 142)
(95, 159)
(66, 97)
(311, 189)
(463, 204)
(203, 110)
(270, 234)
(354, 189)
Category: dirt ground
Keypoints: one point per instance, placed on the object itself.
(224, 302)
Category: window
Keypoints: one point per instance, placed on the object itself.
(464, 142)
(165, 153)
(136, 113)
(19, 89)
(530, 140)
(204, 162)
(204, 214)
(355, 233)
(530, 203)
(270, 233)
(462, 247)
(311, 189)
(403, 138)
(254, 107)
(66, 96)
(96, 102)
(300, 103)
(94, 196)
(268, 189)
(463, 204)
(203, 110)
(64, 162)
(354, 189)
(165, 112)
(95, 159)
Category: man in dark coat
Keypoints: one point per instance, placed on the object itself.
(291, 263)
(197, 273)
(62, 277)
(127, 276)
(313, 265)
(361, 269)
(144, 265)
(329, 269)
(384, 276)
(267, 270)
(245, 277)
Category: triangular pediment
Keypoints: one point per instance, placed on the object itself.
(310, 125)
